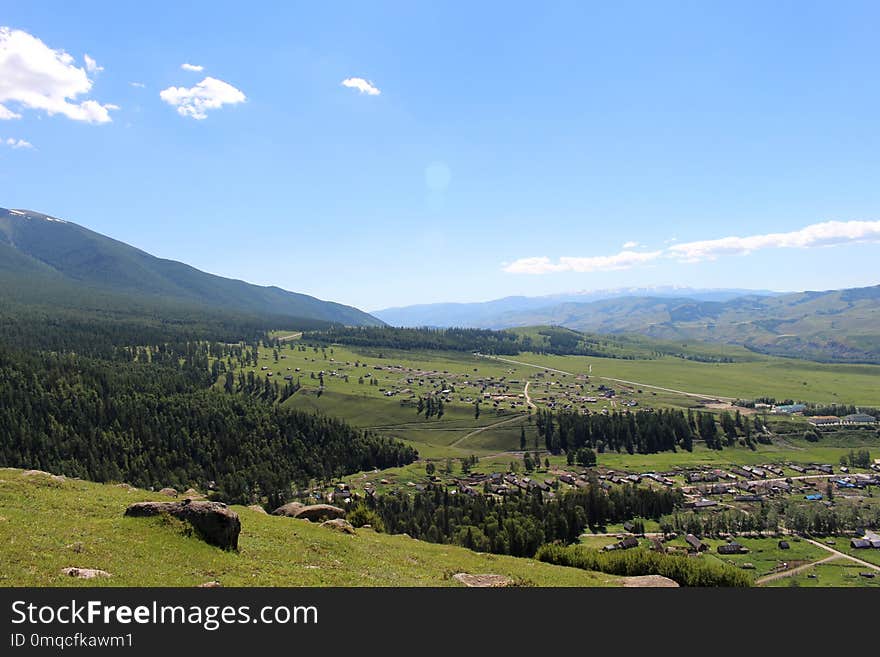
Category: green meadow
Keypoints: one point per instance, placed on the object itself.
(389, 406)
(782, 378)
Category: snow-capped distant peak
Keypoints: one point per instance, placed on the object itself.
(43, 217)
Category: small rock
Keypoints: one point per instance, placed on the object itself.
(339, 525)
(214, 584)
(258, 509)
(748, 566)
(483, 581)
(315, 512)
(85, 573)
(170, 492)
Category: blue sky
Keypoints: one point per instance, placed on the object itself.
(502, 148)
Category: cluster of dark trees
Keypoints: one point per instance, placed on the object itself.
(431, 406)
(641, 432)
(840, 410)
(821, 520)
(115, 399)
(518, 523)
(857, 458)
(762, 518)
(563, 341)
(450, 339)
(639, 561)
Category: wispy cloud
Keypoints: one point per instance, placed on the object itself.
(829, 233)
(364, 86)
(16, 143)
(544, 265)
(92, 65)
(139, 85)
(35, 76)
(192, 67)
(209, 94)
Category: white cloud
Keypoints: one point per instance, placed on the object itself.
(7, 114)
(38, 77)
(364, 86)
(630, 245)
(828, 233)
(92, 65)
(543, 264)
(139, 85)
(208, 94)
(192, 67)
(17, 143)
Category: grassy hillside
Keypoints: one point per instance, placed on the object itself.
(47, 525)
(52, 252)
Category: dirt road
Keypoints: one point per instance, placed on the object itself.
(698, 395)
(526, 393)
(482, 429)
(794, 571)
(834, 556)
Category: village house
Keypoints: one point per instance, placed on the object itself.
(732, 548)
(858, 419)
(696, 545)
(824, 420)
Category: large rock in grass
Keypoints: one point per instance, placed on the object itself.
(215, 523)
(290, 510)
(314, 512)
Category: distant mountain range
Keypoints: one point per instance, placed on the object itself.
(492, 314)
(835, 325)
(52, 259)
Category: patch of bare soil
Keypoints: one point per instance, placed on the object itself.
(483, 581)
(649, 580)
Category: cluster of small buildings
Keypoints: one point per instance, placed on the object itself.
(855, 419)
(870, 540)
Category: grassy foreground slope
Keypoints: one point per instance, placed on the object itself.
(47, 525)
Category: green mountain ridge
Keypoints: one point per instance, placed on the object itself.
(51, 257)
(833, 325)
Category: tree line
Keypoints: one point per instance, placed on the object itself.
(520, 522)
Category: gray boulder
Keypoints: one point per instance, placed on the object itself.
(314, 512)
(215, 523)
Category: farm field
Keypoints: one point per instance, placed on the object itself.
(782, 378)
(837, 573)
